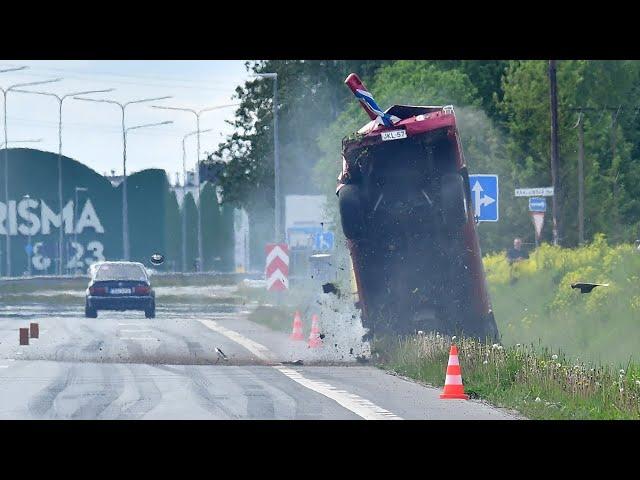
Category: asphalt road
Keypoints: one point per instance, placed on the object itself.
(123, 366)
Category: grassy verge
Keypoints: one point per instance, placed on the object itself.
(535, 381)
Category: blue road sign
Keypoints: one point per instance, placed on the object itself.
(537, 204)
(484, 194)
(28, 248)
(324, 241)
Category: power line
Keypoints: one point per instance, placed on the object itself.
(96, 79)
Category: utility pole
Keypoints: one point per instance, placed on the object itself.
(555, 180)
(580, 126)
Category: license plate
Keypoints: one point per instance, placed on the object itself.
(120, 291)
(394, 135)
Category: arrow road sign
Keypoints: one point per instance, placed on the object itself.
(324, 241)
(484, 193)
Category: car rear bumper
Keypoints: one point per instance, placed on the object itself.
(120, 303)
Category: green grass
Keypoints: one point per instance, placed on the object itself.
(535, 381)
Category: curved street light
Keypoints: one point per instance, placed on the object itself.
(61, 99)
(5, 92)
(197, 114)
(125, 206)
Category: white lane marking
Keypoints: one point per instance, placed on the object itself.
(4, 366)
(356, 404)
(138, 338)
(137, 331)
(133, 324)
(260, 351)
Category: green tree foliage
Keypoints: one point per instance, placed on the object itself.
(190, 210)
(611, 183)
(211, 226)
(311, 96)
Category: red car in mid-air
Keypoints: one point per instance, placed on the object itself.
(406, 211)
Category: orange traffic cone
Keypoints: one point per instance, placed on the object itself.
(453, 387)
(297, 334)
(314, 337)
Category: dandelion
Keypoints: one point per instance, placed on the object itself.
(621, 389)
(638, 382)
(517, 344)
(453, 338)
(558, 365)
(495, 345)
(554, 357)
(538, 400)
(485, 362)
(621, 372)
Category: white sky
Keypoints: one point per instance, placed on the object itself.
(92, 131)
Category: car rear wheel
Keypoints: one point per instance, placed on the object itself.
(454, 201)
(90, 312)
(151, 311)
(351, 213)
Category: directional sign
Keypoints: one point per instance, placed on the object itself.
(537, 204)
(534, 192)
(484, 193)
(277, 270)
(324, 241)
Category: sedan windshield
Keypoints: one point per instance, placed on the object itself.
(121, 272)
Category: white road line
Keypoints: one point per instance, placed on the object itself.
(4, 366)
(356, 404)
(137, 331)
(138, 338)
(133, 324)
(260, 351)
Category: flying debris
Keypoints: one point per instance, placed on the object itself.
(587, 287)
(157, 259)
(221, 354)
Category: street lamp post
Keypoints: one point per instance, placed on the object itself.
(5, 92)
(29, 246)
(184, 184)
(276, 153)
(61, 99)
(75, 217)
(125, 206)
(197, 114)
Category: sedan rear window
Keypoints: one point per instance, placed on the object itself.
(121, 272)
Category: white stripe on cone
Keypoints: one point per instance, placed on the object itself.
(453, 360)
(453, 380)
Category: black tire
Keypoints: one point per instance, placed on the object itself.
(453, 201)
(90, 312)
(351, 212)
(151, 311)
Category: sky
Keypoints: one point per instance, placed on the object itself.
(92, 132)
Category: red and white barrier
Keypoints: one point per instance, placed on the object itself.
(277, 266)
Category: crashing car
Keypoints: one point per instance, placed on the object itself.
(406, 211)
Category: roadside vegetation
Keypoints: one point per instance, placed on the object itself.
(534, 303)
(538, 382)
